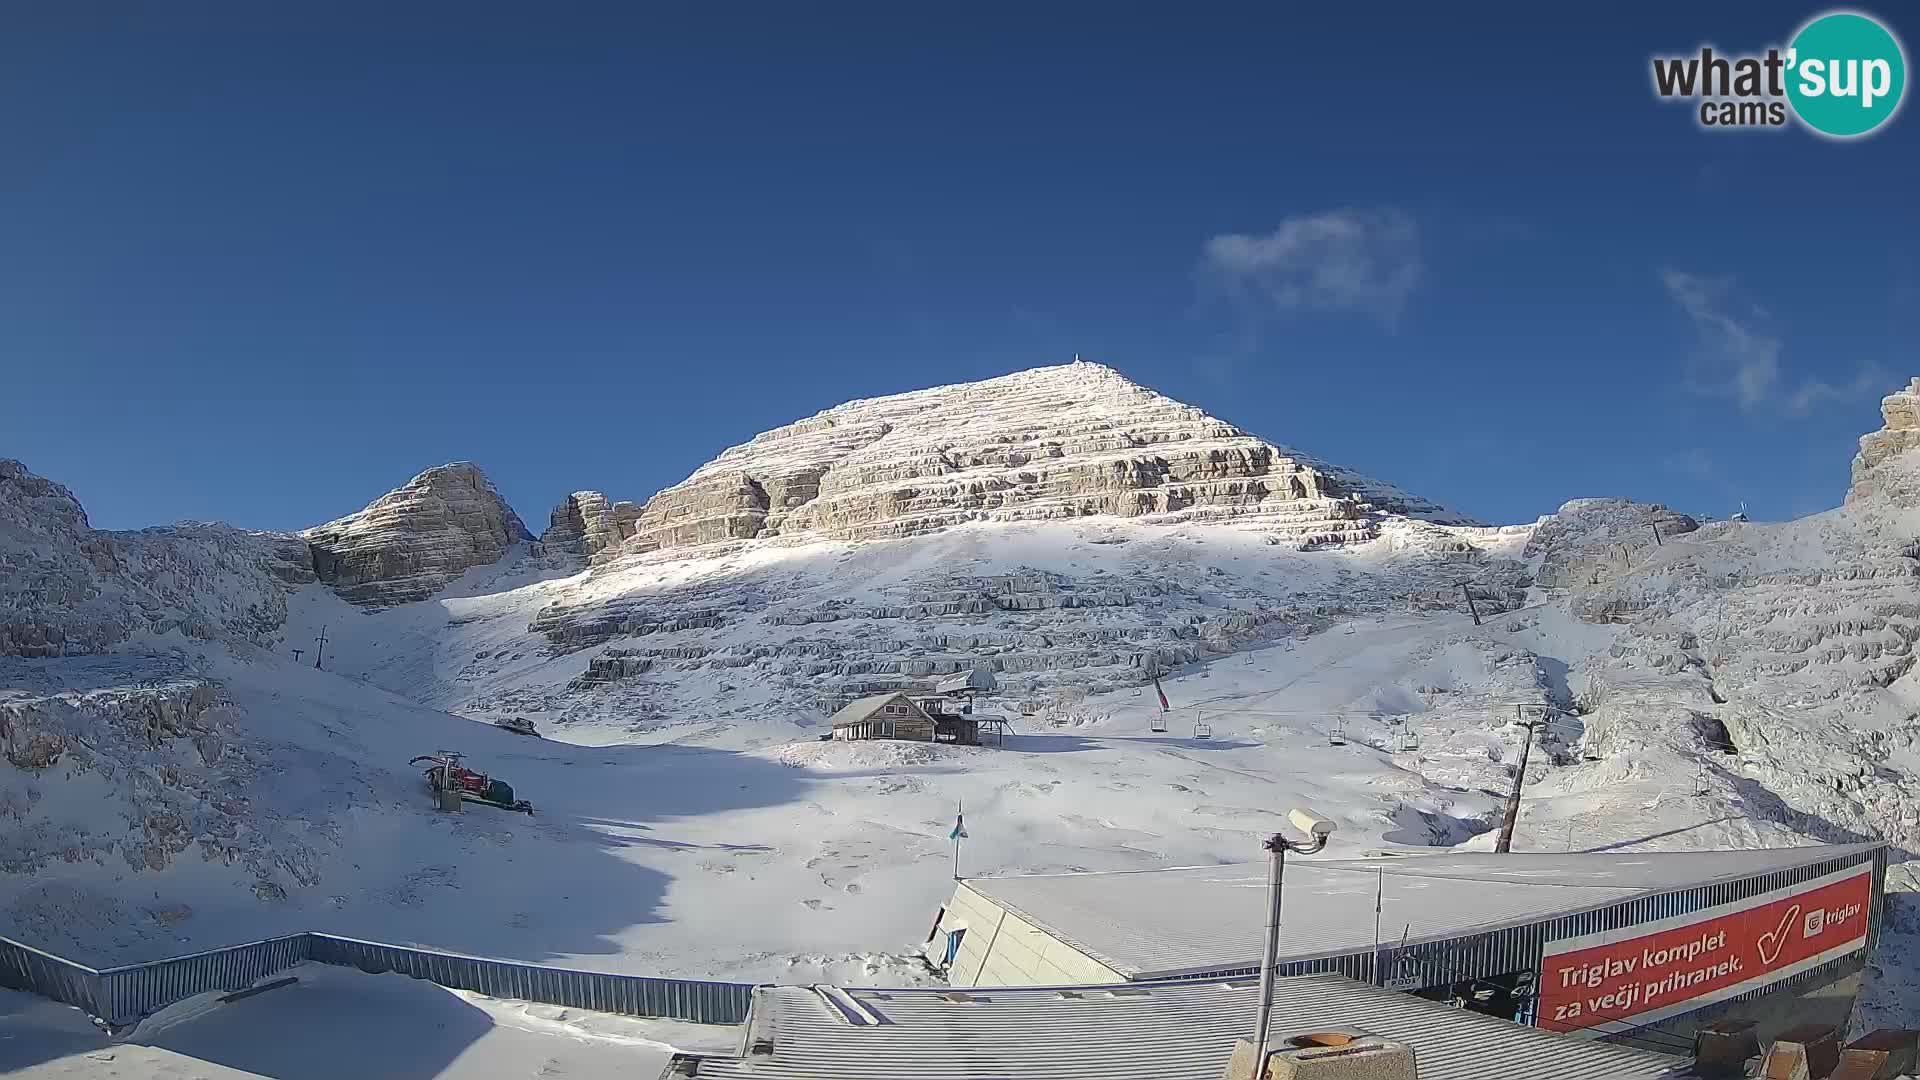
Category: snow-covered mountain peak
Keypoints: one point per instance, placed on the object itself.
(409, 542)
(1068, 441)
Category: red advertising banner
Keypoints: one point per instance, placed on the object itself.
(1621, 979)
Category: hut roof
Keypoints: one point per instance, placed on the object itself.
(860, 710)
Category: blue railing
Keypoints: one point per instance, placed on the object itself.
(123, 995)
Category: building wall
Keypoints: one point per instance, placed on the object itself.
(883, 726)
(1002, 949)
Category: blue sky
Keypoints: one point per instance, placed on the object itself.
(261, 263)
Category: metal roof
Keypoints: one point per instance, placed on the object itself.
(1158, 923)
(862, 709)
(1171, 1031)
(976, 679)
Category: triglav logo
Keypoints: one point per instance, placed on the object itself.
(1843, 75)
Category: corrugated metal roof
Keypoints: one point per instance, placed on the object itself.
(1158, 923)
(1172, 1031)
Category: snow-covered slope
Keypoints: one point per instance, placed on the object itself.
(1726, 684)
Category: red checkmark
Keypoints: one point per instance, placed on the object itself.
(1778, 938)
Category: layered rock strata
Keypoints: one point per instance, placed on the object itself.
(407, 544)
(1899, 434)
(1069, 441)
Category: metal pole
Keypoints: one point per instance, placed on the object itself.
(960, 816)
(1276, 866)
(1468, 593)
(1513, 799)
(1379, 890)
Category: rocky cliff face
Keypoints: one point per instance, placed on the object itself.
(59, 591)
(69, 589)
(411, 541)
(1070, 441)
(1899, 434)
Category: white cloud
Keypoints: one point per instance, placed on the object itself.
(1873, 381)
(1735, 357)
(1738, 357)
(1342, 260)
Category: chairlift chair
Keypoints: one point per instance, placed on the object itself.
(1201, 729)
(1337, 734)
(1158, 725)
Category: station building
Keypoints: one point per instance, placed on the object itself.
(1637, 947)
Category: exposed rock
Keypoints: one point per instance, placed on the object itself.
(407, 544)
(68, 589)
(59, 587)
(1056, 442)
(587, 524)
(167, 752)
(1899, 434)
(215, 580)
(1588, 541)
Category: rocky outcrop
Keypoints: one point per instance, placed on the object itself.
(1070, 441)
(68, 589)
(588, 524)
(167, 753)
(1588, 541)
(407, 544)
(1872, 470)
(60, 585)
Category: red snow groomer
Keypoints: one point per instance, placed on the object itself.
(446, 778)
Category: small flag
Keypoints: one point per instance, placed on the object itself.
(959, 827)
(1163, 694)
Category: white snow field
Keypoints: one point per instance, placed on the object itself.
(174, 779)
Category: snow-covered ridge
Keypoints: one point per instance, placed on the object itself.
(69, 589)
(1068, 441)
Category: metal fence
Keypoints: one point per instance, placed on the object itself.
(630, 995)
(132, 991)
(123, 995)
(23, 967)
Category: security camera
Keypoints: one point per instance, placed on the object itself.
(1311, 823)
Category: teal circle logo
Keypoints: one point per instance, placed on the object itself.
(1845, 74)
